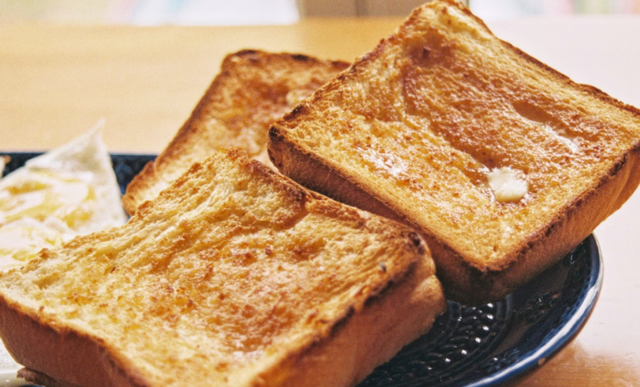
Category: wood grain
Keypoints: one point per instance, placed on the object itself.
(57, 81)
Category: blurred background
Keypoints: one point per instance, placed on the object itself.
(264, 12)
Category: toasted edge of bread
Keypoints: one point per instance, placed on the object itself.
(41, 379)
(357, 343)
(371, 330)
(462, 281)
(176, 158)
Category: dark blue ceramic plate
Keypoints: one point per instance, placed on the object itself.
(475, 346)
(501, 341)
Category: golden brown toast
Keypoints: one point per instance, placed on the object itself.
(502, 163)
(252, 90)
(232, 276)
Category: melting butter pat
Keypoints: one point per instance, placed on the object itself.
(507, 184)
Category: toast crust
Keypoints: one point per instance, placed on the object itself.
(252, 89)
(399, 296)
(343, 358)
(461, 280)
(351, 354)
(470, 270)
(77, 359)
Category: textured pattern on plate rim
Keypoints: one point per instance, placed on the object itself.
(496, 342)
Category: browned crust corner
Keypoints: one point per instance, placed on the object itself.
(131, 199)
(57, 353)
(218, 83)
(396, 314)
(587, 89)
(143, 182)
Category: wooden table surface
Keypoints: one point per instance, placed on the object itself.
(58, 81)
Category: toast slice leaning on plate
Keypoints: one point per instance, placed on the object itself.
(253, 89)
(502, 163)
(232, 276)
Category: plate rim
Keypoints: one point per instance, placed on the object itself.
(565, 335)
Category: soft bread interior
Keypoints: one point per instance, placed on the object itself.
(232, 273)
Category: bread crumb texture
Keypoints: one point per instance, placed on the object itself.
(230, 270)
(253, 89)
(433, 109)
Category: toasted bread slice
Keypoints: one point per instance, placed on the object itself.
(501, 163)
(253, 89)
(233, 276)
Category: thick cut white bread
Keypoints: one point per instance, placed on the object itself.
(253, 89)
(232, 276)
(501, 163)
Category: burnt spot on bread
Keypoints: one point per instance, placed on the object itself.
(415, 239)
(246, 52)
(617, 167)
(298, 110)
(431, 49)
(275, 135)
(426, 51)
(340, 65)
(343, 321)
(301, 58)
(341, 78)
(417, 242)
(550, 229)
